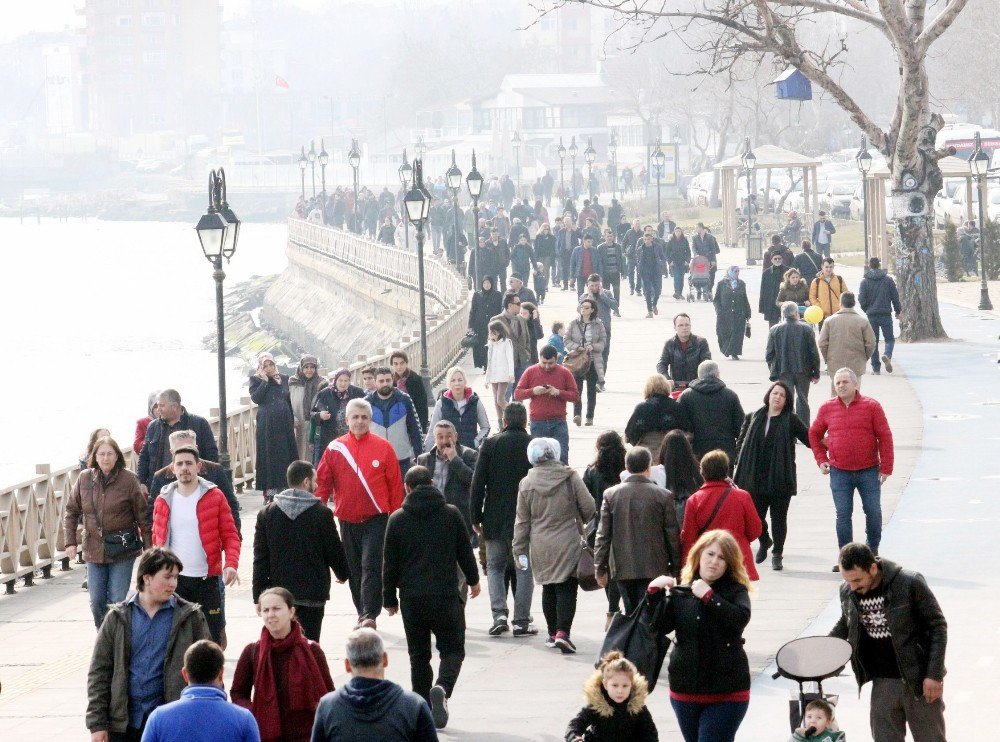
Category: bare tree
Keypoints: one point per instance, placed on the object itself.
(727, 31)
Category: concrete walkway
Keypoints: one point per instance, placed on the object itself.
(509, 689)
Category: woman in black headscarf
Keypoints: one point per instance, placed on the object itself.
(732, 311)
(486, 303)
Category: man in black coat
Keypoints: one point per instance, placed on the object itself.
(714, 410)
(451, 466)
(770, 283)
(879, 299)
(793, 357)
(898, 635)
(414, 383)
(424, 541)
(295, 546)
(683, 353)
(155, 448)
(502, 464)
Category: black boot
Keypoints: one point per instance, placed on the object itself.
(763, 544)
(776, 564)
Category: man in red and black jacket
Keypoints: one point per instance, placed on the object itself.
(362, 473)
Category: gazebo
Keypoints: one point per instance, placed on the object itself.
(876, 213)
(769, 158)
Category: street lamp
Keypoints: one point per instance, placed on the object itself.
(572, 155)
(562, 162)
(659, 162)
(420, 148)
(590, 155)
(218, 232)
(405, 176)
(864, 161)
(979, 163)
(475, 183)
(749, 161)
(454, 177)
(354, 158)
(312, 162)
(418, 206)
(515, 142)
(303, 164)
(324, 160)
(613, 152)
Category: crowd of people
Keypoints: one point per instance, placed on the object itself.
(410, 499)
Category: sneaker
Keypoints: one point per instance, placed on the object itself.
(564, 644)
(600, 387)
(649, 315)
(836, 568)
(887, 362)
(590, 422)
(876, 372)
(439, 706)
(499, 626)
(524, 629)
(656, 310)
(550, 642)
(576, 420)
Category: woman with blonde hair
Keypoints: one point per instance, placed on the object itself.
(460, 406)
(708, 611)
(656, 415)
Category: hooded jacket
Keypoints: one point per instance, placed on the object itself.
(715, 413)
(215, 525)
(878, 293)
(295, 545)
(607, 721)
(368, 710)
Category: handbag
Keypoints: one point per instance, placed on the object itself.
(638, 637)
(585, 571)
(125, 542)
(746, 329)
(470, 339)
(578, 361)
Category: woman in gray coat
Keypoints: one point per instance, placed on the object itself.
(552, 505)
(588, 332)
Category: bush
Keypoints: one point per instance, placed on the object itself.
(950, 253)
(991, 244)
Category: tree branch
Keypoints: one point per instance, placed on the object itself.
(940, 24)
(852, 10)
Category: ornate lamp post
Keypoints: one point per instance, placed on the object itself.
(864, 162)
(659, 162)
(613, 151)
(454, 177)
(979, 163)
(749, 161)
(590, 155)
(562, 164)
(474, 181)
(303, 164)
(420, 148)
(418, 206)
(515, 142)
(219, 232)
(572, 155)
(354, 158)
(405, 176)
(311, 154)
(324, 159)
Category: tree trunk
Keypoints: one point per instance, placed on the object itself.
(720, 152)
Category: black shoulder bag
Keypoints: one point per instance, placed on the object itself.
(126, 542)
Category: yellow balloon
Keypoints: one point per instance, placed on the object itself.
(813, 315)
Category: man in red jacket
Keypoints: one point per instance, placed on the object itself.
(192, 518)
(857, 454)
(550, 387)
(361, 471)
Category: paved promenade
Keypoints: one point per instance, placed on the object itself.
(516, 689)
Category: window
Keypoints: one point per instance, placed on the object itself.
(123, 21)
(155, 59)
(154, 19)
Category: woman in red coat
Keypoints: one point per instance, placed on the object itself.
(736, 514)
(287, 673)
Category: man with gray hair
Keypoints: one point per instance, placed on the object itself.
(847, 339)
(714, 410)
(173, 416)
(451, 465)
(792, 356)
(369, 707)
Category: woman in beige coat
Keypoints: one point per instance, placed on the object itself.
(552, 505)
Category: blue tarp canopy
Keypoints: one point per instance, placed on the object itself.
(793, 85)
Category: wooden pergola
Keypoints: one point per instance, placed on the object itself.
(769, 158)
(877, 218)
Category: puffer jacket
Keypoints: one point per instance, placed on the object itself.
(852, 437)
(878, 293)
(215, 525)
(658, 415)
(826, 294)
(110, 664)
(552, 503)
(917, 625)
(120, 505)
(602, 720)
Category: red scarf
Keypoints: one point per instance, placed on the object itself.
(304, 679)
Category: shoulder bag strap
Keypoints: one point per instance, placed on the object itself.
(715, 512)
(89, 478)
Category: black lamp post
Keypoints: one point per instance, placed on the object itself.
(515, 142)
(420, 148)
(562, 163)
(324, 160)
(474, 181)
(572, 155)
(590, 155)
(405, 176)
(864, 161)
(311, 154)
(749, 160)
(354, 158)
(418, 206)
(979, 163)
(303, 164)
(613, 151)
(659, 162)
(219, 232)
(454, 176)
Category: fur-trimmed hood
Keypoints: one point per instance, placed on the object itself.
(597, 699)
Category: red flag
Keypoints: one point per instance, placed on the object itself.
(280, 82)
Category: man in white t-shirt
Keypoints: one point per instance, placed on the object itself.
(192, 518)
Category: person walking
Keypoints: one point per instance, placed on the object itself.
(295, 545)
(705, 244)
(362, 473)
(714, 411)
(502, 464)
(329, 410)
(683, 353)
(708, 610)
(276, 444)
(282, 676)
(822, 234)
(847, 339)
(410, 383)
(173, 416)
(500, 365)
(638, 536)
(587, 334)
(567, 241)
(826, 288)
(426, 540)
(552, 505)
(616, 705)
(520, 334)
(852, 442)
(545, 250)
(585, 261)
(678, 252)
(679, 470)
(770, 285)
(765, 466)
(793, 289)
(485, 305)
(656, 415)
(303, 387)
(115, 530)
(721, 504)
(451, 466)
(808, 262)
(395, 419)
(630, 242)
(142, 424)
(600, 475)
(607, 305)
(793, 358)
(550, 387)
(898, 636)
(613, 260)
(732, 313)
(462, 407)
(651, 259)
(879, 300)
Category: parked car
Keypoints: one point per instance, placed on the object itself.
(836, 199)
(699, 190)
(944, 198)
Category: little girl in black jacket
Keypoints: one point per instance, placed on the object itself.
(616, 705)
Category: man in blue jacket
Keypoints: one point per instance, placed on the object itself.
(395, 419)
(586, 259)
(879, 299)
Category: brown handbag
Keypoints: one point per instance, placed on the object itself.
(578, 361)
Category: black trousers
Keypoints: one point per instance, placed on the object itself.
(363, 544)
(779, 520)
(205, 591)
(632, 591)
(443, 617)
(311, 618)
(614, 596)
(800, 383)
(559, 605)
(613, 281)
(591, 382)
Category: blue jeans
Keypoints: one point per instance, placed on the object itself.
(882, 322)
(557, 429)
(865, 481)
(709, 722)
(652, 284)
(677, 273)
(106, 584)
(518, 373)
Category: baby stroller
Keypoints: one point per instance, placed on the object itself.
(699, 277)
(811, 659)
